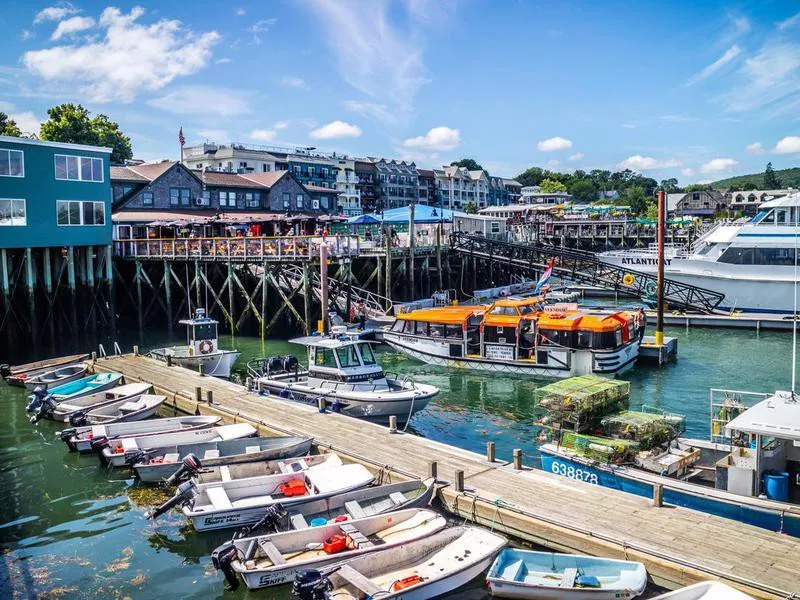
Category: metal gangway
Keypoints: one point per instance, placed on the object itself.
(585, 268)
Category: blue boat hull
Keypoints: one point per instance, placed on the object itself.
(611, 478)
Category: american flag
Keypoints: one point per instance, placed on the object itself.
(181, 139)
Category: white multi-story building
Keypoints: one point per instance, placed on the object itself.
(232, 158)
(533, 194)
(347, 185)
(458, 187)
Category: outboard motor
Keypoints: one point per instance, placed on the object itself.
(184, 496)
(290, 363)
(221, 558)
(67, 433)
(136, 457)
(190, 466)
(5, 370)
(99, 443)
(275, 519)
(274, 364)
(38, 395)
(78, 419)
(311, 584)
(45, 409)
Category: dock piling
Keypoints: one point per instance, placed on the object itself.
(459, 484)
(433, 469)
(517, 458)
(136, 350)
(392, 423)
(198, 394)
(169, 360)
(210, 397)
(321, 404)
(201, 369)
(658, 495)
(490, 452)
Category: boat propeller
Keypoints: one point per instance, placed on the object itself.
(184, 496)
(311, 584)
(190, 467)
(221, 558)
(78, 418)
(275, 519)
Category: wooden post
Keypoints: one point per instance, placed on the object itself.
(490, 452)
(459, 484)
(323, 282)
(136, 350)
(388, 273)
(169, 360)
(321, 404)
(439, 253)
(392, 423)
(196, 288)
(210, 397)
(263, 298)
(517, 458)
(89, 265)
(201, 369)
(94, 357)
(71, 268)
(307, 297)
(411, 245)
(198, 394)
(433, 469)
(658, 495)
(229, 281)
(30, 281)
(109, 264)
(4, 268)
(168, 294)
(378, 262)
(47, 272)
(349, 274)
(139, 293)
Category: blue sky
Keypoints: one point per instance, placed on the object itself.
(693, 90)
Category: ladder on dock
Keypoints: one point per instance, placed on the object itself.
(585, 268)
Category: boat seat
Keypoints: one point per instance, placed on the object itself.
(293, 466)
(211, 454)
(359, 539)
(271, 552)
(252, 501)
(568, 578)
(354, 509)
(512, 571)
(357, 580)
(298, 521)
(171, 457)
(225, 473)
(252, 449)
(132, 406)
(397, 497)
(219, 498)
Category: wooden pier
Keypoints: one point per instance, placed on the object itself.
(678, 546)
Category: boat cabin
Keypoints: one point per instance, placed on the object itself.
(341, 357)
(201, 333)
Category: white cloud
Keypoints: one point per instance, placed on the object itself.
(213, 134)
(336, 130)
(576, 156)
(708, 71)
(371, 110)
(71, 26)
(376, 56)
(630, 125)
(788, 145)
(260, 27)
(262, 135)
(789, 23)
(678, 119)
(25, 34)
(688, 172)
(717, 165)
(55, 13)
(755, 148)
(647, 163)
(437, 138)
(222, 61)
(27, 121)
(131, 59)
(204, 101)
(552, 163)
(240, 12)
(554, 143)
(294, 82)
(769, 78)
(281, 125)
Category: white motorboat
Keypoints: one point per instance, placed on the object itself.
(143, 407)
(751, 262)
(343, 371)
(242, 502)
(162, 463)
(114, 397)
(275, 559)
(202, 348)
(258, 469)
(55, 377)
(416, 570)
(81, 438)
(706, 590)
(128, 450)
(542, 575)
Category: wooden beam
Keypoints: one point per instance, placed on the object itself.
(217, 301)
(249, 301)
(287, 301)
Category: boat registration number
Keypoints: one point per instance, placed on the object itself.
(560, 468)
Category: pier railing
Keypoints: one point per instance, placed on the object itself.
(241, 249)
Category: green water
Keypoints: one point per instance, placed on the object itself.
(71, 529)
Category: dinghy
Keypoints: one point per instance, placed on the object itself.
(241, 502)
(129, 450)
(143, 407)
(163, 463)
(275, 559)
(81, 438)
(59, 376)
(18, 374)
(61, 411)
(416, 570)
(73, 390)
(259, 469)
(707, 590)
(528, 574)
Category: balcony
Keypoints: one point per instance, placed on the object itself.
(347, 179)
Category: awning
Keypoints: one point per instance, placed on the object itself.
(163, 218)
(777, 416)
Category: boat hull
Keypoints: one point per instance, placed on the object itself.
(82, 443)
(216, 364)
(97, 418)
(30, 385)
(703, 499)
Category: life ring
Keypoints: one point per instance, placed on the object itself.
(628, 279)
(651, 288)
(206, 346)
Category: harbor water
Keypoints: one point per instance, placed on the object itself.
(71, 529)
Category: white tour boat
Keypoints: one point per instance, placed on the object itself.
(342, 369)
(202, 348)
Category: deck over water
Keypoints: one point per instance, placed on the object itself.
(678, 546)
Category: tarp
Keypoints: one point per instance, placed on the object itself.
(422, 214)
(363, 220)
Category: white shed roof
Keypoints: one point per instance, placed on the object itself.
(777, 416)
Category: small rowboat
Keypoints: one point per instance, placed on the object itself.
(275, 559)
(259, 469)
(707, 590)
(115, 396)
(540, 575)
(50, 379)
(18, 374)
(162, 463)
(85, 386)
(134, 409)
(416, 570)
(81, 438)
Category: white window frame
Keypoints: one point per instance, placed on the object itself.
(80, 213)
(80, 168)
(300, 200)
(22, 152)
(152, 198)
(24, 204)
(287, 200)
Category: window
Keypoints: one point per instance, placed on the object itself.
(147, 198)
(297, 169)
(323, 171)
(310, 171)
(315, 202)
(80, 212)
(366, 354)
(12, 212)
(348, 357)
(287, 200)
(179, 196)
(12, 163)
(495, 227)
(242, 165)
(205, 199)
(299, 200)
(265, 168)
(223, 198)
(79, 168)
(323, 357)
(252, 200)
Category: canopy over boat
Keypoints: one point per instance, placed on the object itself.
(777, 416)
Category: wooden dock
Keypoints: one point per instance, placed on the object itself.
(678, 546)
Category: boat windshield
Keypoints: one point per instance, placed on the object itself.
(508, 311)
(348, 357)
(366, 354)
(323, 357)
(205, 332)
(526, 309)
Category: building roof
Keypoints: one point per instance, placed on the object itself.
(152, 171)
(673, 199)
(166, 216)
(425, 172)
(127, 174)
(223, 179)
(512, 182)
(321, 190)
(266, 179)
(34, 142)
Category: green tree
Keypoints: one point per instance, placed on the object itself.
(583, 190)
(696, 187)
(532, 176)
(636, 199)
(471, 208)
(551, 185)
(771, 181)
(467, 163)
(601, 178)
(669, 185)
(8, 126)
(72, 123)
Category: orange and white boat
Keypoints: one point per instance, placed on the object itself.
(520, 335)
